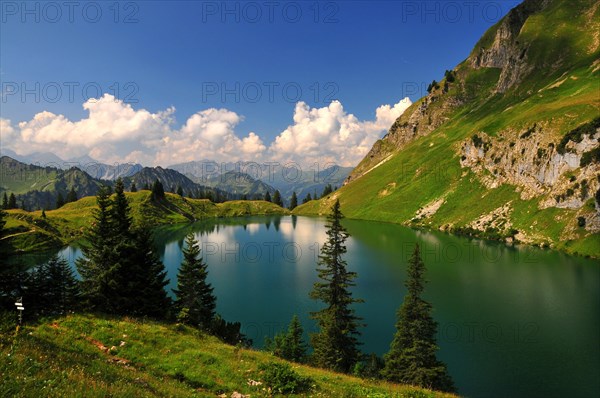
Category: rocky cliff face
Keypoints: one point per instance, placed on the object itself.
(562, 174)
(506, 52)
(417, 121)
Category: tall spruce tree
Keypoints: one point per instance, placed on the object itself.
(296, 349)
(4, 201)
(133, 187)
(60, 201)
(2, 222)
(54, 288)
(158, 191)
(277, 198)
(96, 267)
(121, 272)
(124, 275)
(71, 196)
(267, 196)
(3, 249)
(195, 303)
(289, 345)
(307, 198)
(120, 218)
(336, 344)
(293, 201)
(144, 279)
(412, 359)
(12, 201)
(11, 275)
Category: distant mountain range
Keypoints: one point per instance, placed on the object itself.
(242, 177)
(38, 178)
(240, 184)
(172, 180)
(237, 178)
(38, 187)
(91, 166)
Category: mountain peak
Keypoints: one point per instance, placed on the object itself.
(503, 143)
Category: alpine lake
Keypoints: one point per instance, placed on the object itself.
(512, 321)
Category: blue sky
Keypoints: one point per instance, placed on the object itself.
(266, 55)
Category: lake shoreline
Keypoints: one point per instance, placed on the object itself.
(52, 246)
(482, 236)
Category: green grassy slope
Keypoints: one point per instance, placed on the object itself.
(17, 177)
(561, 95)
(84, 355)
(38, 187)
(28, 231)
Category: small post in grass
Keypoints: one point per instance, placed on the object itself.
(20, 307)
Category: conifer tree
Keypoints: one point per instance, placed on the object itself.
(370, 367)
(146, 187)
(327, 190)
(4, 253)
(12, 201)
(336, 344)
(60, 201)
(124, 274)
(132, 280)
(289, 345)
(293, 201)
(229, 332)
(412, 359)
(295, 344)
(71, 196)
(54, 288)
(9, 276)
(277, 198)
(143, 278)
(195, 303)
(2, 221)
(179, 190)
(307, 198)
(4, 201)
(133, 187)
(96, 265)
(44, 213)
(267, 196)
(120, 217)
(158, 191)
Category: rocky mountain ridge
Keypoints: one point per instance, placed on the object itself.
(505, 146)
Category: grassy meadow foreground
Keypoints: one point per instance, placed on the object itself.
(98, 356)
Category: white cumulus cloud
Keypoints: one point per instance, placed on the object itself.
(209, 134)
(112, 131)
(331, 135)
(115, 132)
